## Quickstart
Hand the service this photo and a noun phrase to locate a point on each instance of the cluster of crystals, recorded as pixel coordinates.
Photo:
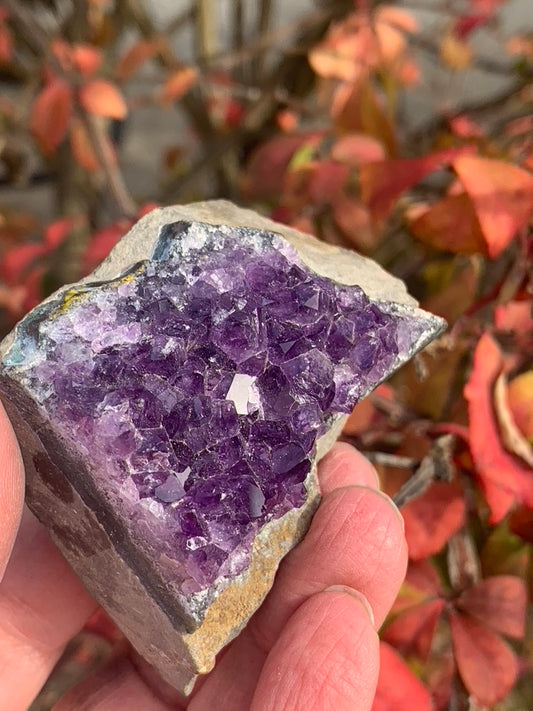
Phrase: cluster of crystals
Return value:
(200, 383)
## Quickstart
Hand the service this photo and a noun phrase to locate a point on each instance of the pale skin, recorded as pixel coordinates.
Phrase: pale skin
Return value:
(312, 645)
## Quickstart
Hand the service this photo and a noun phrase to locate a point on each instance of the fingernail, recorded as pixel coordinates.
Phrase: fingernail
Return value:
(397, 512)
(356, 594)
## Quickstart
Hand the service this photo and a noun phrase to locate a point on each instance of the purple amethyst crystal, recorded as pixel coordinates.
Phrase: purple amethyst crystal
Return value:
(194, 387)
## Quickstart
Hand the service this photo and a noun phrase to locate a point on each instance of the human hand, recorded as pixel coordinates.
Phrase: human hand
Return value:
(312, 644)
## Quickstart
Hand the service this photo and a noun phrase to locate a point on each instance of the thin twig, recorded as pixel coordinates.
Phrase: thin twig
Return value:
(391, 460)
(113, 174)
(436, 466)
(263, 23)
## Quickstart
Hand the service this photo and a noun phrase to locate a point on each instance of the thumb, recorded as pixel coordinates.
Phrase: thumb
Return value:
(11, 489)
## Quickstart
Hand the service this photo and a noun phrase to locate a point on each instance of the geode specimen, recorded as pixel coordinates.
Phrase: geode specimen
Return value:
(172, 406)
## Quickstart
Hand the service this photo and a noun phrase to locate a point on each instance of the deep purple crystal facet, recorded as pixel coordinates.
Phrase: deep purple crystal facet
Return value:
(198, 384)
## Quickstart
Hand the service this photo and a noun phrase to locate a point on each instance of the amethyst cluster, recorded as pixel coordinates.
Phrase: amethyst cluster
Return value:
(198, 383)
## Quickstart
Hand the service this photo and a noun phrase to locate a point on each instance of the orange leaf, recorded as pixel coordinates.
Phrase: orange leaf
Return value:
(349, 50)
(82, 148)
(450, 224)
(520, 400)
(178, 85)
(382, 183)
(357, 109)
(398, 18)
(501, 476)
(287, 120)
(86, 58)
(455, 52)
(502, 195)
(135, 57)
(487, 665)
(102, 98)
(413, 629)
(398, 688)
(498, 602)
(432, 518)
(50, 115)
(354, 149)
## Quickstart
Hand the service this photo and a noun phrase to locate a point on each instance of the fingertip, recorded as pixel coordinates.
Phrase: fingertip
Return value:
(11, 489)
(326, 657)
(343, 466)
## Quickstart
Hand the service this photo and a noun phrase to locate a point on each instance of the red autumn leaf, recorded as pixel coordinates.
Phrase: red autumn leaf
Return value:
(413, 630)
(57, 232)
(146, 208)
(487, 665)
(102, 242)
(135, 56)
(514, 316)
(383, 182)
(102, 98)
(502, 477)
(264, 174)
(465, 127)
(355, 149)
(178, 84)
(398, 688)
(521, 524)
(450, 224)
(502, 195)
(6, 44)
(499, 602)
(17, 261)
(86, 58)
(50, 114)
(465, 25)
(326, 181)
(422, 576)
(432, 518)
